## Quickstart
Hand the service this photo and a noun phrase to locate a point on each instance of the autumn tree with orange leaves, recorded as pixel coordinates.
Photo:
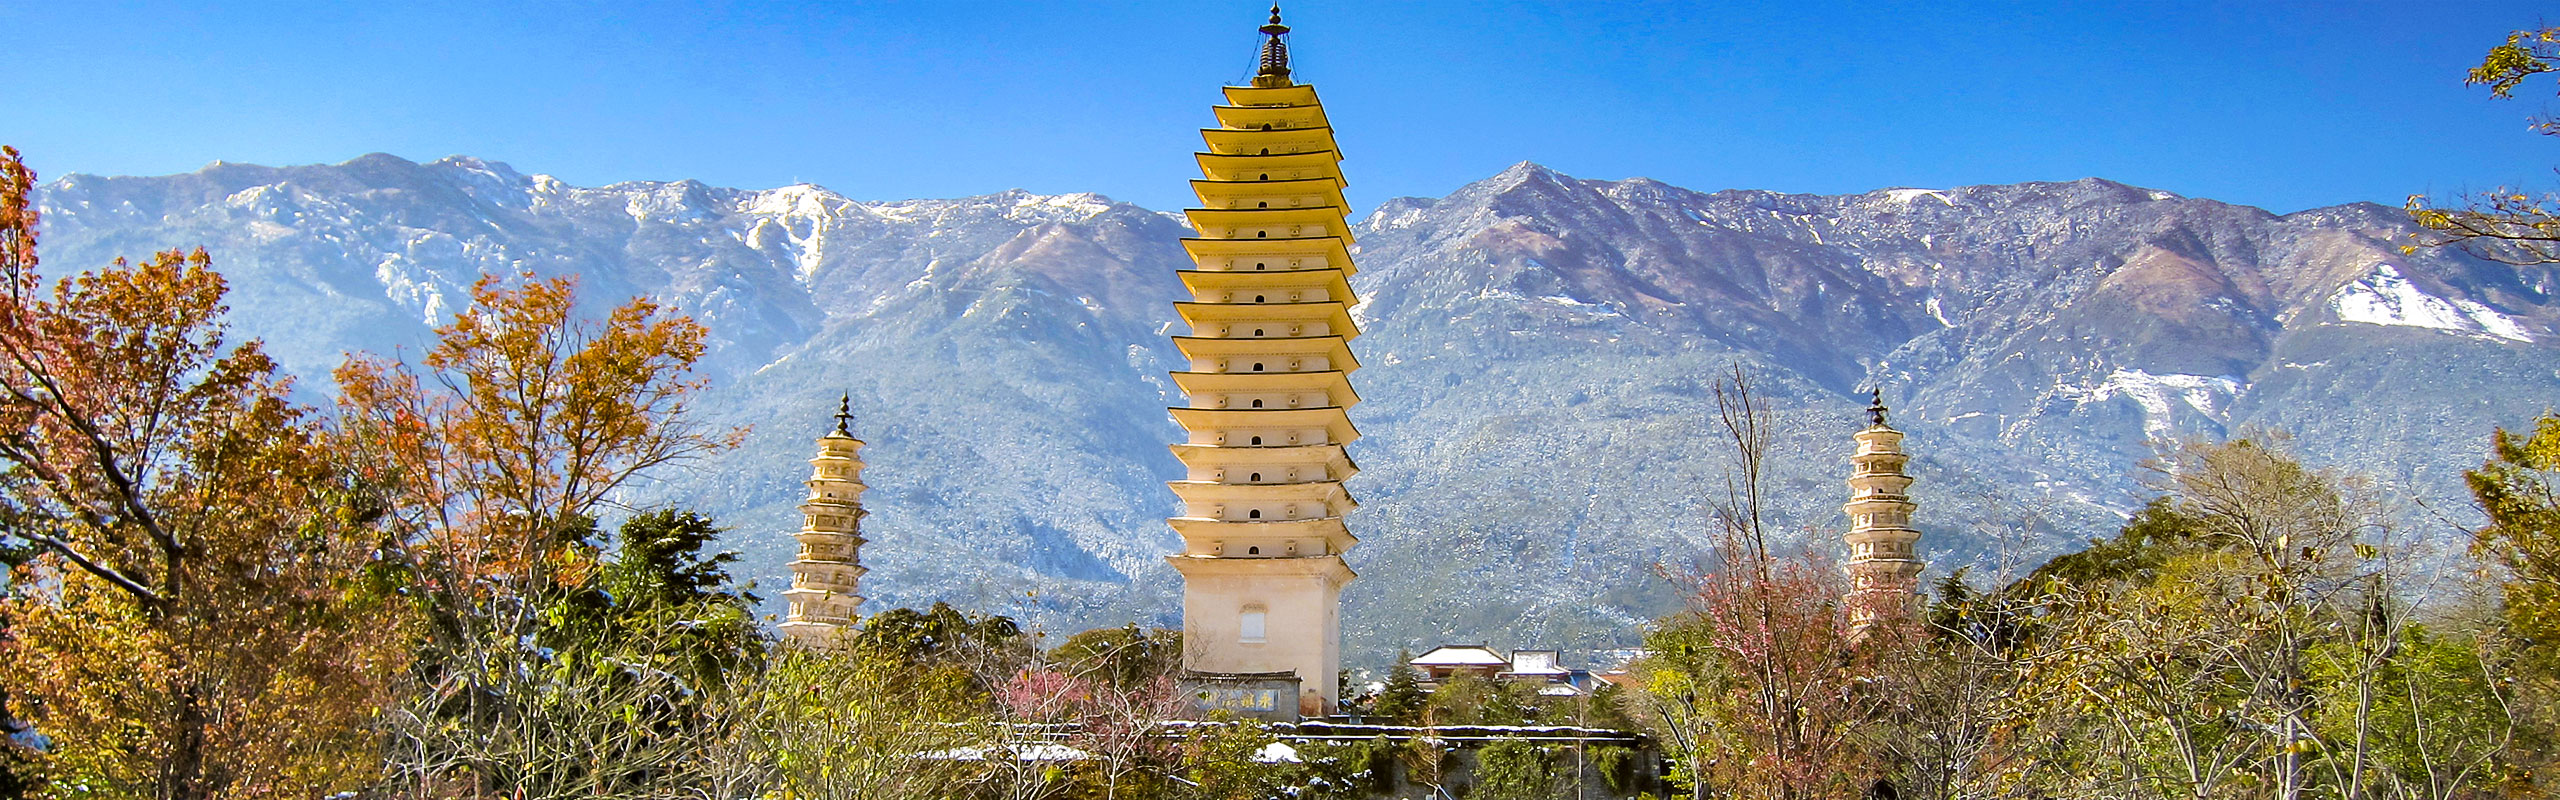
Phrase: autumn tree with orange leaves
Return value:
(496, 450)
(194, 624)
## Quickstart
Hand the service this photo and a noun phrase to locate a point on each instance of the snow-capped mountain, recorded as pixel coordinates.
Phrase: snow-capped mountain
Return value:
(1538, 353)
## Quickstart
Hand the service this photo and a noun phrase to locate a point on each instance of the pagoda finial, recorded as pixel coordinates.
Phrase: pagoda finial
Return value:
(844, 415)
(1875, 411)
(1275, 53)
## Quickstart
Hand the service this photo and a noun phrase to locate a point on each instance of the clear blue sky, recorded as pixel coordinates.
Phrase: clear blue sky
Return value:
(2281, 105)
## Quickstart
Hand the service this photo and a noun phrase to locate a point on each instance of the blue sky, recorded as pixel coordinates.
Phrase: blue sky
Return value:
(2281, 105)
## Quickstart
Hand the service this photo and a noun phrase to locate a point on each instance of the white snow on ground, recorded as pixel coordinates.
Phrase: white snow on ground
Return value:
(1908, 195)
(2158, 395)
(1938, 311)
(1038, 751)
(1276, 753)
(2384, 297)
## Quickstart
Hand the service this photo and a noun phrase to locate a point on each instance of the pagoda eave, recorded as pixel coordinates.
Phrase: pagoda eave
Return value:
(1329, 252)
(1329, 567)
(1334, 383)
(1337, 424)
(1328, 493)
(1334, 348)
(1334, 314)
(1295, 94)
(1332, 281)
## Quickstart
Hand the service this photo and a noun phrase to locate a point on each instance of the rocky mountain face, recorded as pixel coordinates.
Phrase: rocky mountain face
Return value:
(1539, 353)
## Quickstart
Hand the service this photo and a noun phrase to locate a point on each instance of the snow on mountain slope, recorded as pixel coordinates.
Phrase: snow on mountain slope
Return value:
(2386, 298)
(1537, 351)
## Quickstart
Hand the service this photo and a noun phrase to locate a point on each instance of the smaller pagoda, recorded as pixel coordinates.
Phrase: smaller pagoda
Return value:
(1884, 567)
(828, 571)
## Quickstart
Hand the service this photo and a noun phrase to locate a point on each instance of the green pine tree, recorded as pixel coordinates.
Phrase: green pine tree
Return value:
(1403, 697)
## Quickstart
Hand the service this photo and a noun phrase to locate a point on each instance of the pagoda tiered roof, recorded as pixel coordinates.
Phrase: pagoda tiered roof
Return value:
(1291, 167)
(1198, 531)
(1232, 142)
(1337, 425)
(1230, 194)
(1335, 252)
(1336, 463)
(1234, 221)
(1334, 348)
(1335, 315)
(1333, 382)
(1335, 287)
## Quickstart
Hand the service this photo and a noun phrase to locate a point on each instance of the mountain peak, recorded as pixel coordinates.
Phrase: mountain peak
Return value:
(377, 161)
(498, 169)
(1526, 170)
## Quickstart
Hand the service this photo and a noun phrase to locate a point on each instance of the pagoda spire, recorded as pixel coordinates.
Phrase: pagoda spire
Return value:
(1267, 394)
(827, 575)
(1884, 567)
(1274, 72)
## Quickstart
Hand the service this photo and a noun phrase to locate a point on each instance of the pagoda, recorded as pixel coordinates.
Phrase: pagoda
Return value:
(829, 568)
(1884, 569)
(1267, 392)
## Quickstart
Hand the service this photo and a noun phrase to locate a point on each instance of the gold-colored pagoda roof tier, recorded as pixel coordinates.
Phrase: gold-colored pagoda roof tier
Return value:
(1271, 118)
(1208, 253)
(1309, 193)
(1291, 167)
(1331, 281)
(1297, 94)
(1269, 223)
(1277, 141)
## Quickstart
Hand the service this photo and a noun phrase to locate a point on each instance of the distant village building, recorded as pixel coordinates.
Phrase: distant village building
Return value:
(1542, 668)
(828, 571)
(1884, 567)
(1268, 389)
(1447, 662)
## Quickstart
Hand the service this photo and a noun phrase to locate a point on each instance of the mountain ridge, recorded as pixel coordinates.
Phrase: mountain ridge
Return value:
(1538, 348)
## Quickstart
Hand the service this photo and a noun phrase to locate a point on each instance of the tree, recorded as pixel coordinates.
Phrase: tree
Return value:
(495, 452)
(839, 724)
(526, 419)
(619, 684)
(1752, 687)
(1474, 700)
(192, 623)
(1513, 769)
(1222, 760)
(2503, 224)
(2516, 490)
(2250, 635)
(1946, 720)
(1402, 698)
(1125, 657)
(1127, 694)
